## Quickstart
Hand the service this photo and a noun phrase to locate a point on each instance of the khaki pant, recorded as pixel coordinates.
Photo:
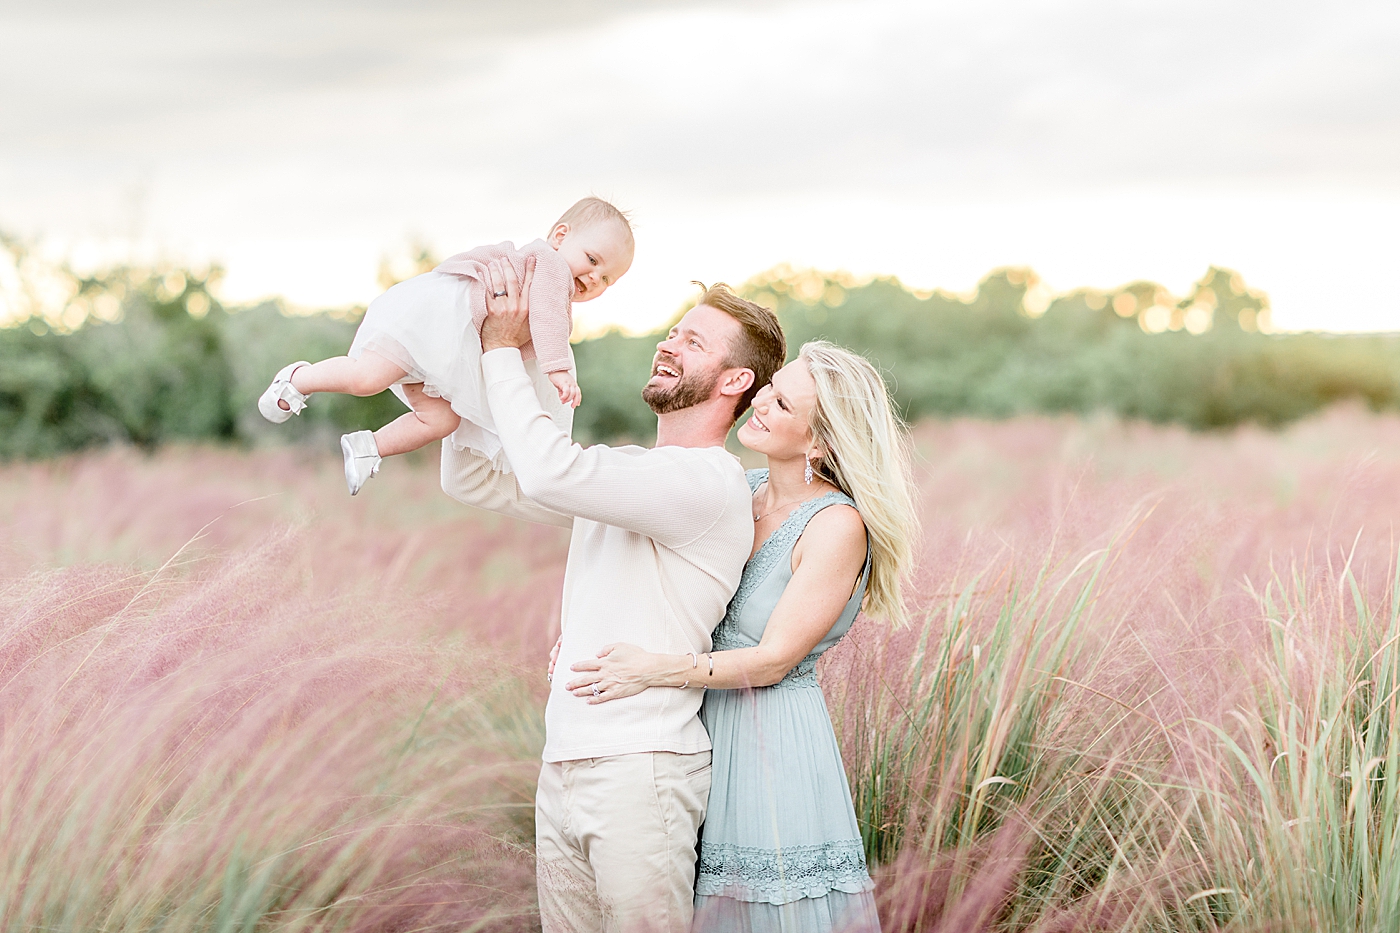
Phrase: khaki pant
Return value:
(615, 842)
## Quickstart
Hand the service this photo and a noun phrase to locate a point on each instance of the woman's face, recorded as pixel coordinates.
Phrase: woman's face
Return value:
(782, 411)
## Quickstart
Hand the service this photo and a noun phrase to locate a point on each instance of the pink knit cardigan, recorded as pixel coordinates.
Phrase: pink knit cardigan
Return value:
(551, 295)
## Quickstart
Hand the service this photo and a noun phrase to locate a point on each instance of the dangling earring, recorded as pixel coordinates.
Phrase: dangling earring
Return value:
(807, 473)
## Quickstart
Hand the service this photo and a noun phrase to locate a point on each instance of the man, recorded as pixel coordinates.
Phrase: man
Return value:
(660, 538)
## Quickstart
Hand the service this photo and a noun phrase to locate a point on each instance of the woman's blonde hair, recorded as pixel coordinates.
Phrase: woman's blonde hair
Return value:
(866, 454)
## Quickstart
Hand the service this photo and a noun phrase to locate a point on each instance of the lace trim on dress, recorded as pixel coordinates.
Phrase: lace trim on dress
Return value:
(780, 876)
(726, 637)
(803, 675)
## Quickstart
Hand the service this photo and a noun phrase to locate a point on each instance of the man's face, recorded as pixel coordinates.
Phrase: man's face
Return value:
(689, 362)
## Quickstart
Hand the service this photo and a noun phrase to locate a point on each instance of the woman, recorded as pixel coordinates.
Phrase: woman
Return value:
(833, 521)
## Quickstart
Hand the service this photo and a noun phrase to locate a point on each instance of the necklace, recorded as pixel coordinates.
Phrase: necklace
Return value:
(791, 504)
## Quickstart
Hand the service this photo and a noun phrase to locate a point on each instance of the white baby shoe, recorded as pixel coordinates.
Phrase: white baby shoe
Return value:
(283, 390)
(361, 458)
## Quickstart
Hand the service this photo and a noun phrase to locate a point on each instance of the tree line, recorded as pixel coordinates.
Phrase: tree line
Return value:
(146, 356)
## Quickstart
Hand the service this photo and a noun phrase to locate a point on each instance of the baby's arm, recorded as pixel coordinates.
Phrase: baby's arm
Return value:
(569, 392)
(551, 312)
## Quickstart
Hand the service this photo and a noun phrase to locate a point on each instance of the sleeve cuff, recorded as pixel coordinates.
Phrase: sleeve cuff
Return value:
(501, 363)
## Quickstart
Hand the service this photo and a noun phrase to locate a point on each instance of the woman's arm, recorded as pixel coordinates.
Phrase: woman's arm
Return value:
(827, 562)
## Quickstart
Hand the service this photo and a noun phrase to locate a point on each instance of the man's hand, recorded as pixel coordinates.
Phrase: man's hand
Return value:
(507, 321)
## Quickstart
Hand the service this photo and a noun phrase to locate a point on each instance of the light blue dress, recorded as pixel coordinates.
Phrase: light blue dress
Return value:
(780, 849)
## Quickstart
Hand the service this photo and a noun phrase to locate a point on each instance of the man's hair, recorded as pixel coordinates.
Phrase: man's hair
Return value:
(592, 210)
(761, 346)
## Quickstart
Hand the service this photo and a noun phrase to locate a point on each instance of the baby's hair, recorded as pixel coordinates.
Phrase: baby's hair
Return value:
(595, 210)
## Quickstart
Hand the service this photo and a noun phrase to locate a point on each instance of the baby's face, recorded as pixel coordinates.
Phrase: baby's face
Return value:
(598, 255)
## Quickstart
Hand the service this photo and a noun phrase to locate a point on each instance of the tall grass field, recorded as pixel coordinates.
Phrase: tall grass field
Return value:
(1152, 684)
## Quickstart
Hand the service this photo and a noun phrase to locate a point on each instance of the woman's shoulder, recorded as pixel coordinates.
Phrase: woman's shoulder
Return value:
(836, 529)
(756, 478)
(839, 517)
(833, 541)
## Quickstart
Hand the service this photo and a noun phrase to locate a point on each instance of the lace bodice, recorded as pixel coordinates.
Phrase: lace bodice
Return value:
(767, 575)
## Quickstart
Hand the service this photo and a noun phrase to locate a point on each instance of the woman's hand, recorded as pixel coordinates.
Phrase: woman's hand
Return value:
(554, 658)
(620, 670)
(507, 321)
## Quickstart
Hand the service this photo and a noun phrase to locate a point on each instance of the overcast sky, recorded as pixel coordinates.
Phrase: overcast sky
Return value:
(1097, 142)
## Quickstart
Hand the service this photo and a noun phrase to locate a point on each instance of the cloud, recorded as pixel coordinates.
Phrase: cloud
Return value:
(238, 129)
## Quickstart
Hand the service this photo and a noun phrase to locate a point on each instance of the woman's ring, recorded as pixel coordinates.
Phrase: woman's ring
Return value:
(595, 690)
(498, 294)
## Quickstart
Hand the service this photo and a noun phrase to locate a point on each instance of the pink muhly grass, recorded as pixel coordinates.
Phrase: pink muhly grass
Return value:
(222, 750)
(1120, 629)
(465, 571)
(1101, 614)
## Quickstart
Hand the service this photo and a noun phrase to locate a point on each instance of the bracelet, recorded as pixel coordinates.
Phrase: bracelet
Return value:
(694, 663)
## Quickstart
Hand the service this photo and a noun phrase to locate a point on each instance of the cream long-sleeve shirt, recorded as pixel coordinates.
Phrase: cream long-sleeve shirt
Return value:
(660, 537)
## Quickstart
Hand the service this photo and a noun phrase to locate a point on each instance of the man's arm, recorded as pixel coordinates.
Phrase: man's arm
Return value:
(671, 499)
(468, 477)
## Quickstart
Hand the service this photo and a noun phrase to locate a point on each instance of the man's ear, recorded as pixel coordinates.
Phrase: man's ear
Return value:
(556, 236)
(736, 381)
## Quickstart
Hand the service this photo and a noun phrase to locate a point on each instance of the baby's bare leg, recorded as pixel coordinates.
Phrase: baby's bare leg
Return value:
(369, 375)
(432, 419)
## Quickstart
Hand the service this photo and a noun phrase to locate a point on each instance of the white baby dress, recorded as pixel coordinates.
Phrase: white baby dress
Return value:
(424, 325)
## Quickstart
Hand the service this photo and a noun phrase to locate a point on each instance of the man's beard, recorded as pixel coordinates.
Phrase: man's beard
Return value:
(688, 391)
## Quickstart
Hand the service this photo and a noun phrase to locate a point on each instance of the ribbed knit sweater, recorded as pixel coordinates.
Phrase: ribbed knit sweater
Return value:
(551, 295)
(660, 537)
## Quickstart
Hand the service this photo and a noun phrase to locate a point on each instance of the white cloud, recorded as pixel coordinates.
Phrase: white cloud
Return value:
(1098, 141)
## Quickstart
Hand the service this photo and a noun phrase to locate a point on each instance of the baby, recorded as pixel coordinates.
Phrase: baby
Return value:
(422, 338)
